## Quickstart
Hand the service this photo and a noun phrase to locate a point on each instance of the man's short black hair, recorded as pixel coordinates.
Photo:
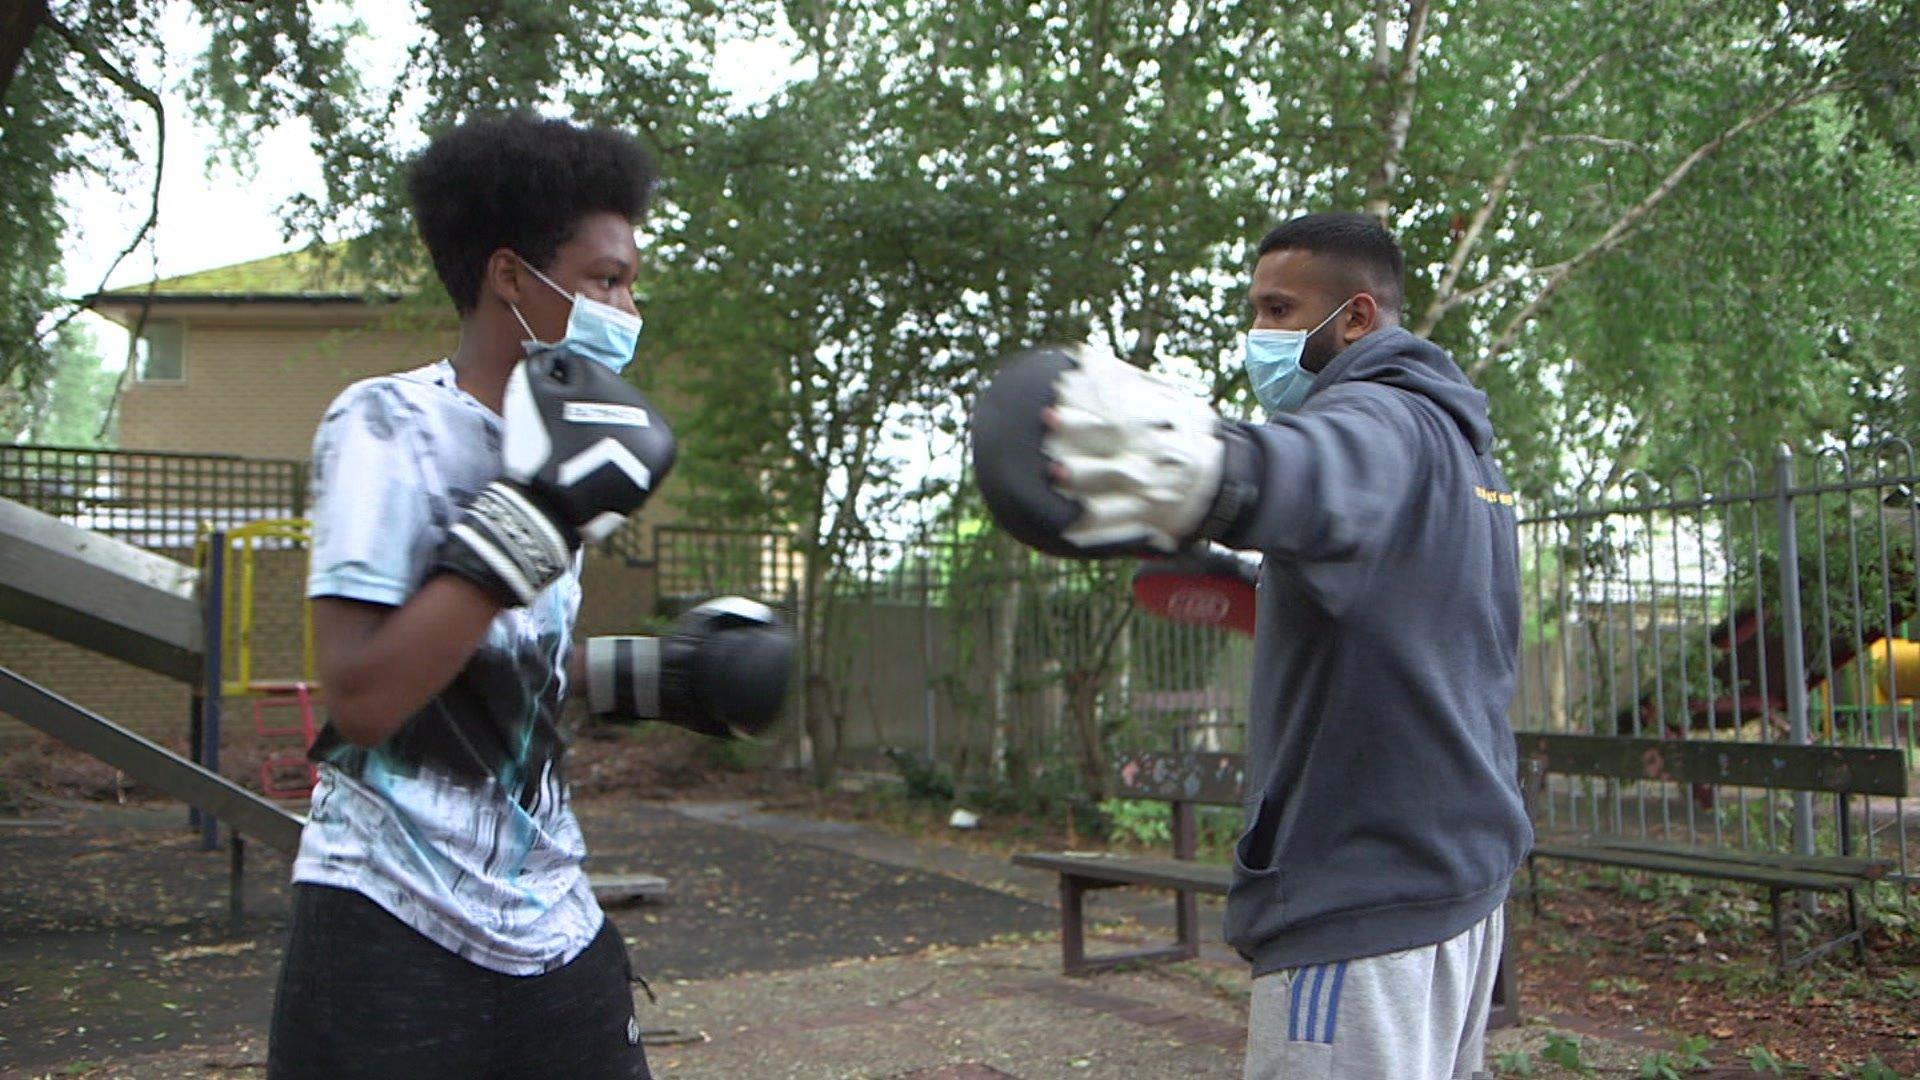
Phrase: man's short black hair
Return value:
(1364, 246)
(518, 182)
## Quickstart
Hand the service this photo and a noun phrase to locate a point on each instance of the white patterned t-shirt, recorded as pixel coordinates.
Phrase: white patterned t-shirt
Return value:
(459, 825)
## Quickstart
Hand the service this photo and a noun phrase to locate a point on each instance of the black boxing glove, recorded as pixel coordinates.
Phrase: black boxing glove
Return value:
(583, 449)
(721, 671)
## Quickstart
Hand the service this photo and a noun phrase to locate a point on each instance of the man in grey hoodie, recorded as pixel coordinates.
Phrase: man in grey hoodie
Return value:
(1384, 819)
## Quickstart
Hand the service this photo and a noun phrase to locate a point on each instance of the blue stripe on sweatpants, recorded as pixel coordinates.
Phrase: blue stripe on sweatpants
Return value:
(1313, 1003)
(1333, 999)
(1293, 1019)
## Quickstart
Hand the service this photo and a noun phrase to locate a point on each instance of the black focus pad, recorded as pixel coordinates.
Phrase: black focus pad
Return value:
(1009, 464)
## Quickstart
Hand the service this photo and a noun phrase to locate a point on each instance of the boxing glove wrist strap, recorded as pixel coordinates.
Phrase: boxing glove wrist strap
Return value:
(1242, 468)
(623, 678)
(506, 544)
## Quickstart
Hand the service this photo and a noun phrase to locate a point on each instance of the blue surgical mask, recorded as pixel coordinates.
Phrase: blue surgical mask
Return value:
(1273, 365)
(594, 330)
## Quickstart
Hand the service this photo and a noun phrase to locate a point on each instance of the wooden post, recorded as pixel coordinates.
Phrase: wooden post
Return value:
(236, 881)
(1186, 904)
(1073, 928)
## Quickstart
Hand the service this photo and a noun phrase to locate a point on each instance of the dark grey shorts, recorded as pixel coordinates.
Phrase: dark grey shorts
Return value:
(362, 995)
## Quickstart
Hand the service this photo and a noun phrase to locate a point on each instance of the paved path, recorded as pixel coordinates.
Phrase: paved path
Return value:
(788, 948)
(1149, 912)
(113, 934)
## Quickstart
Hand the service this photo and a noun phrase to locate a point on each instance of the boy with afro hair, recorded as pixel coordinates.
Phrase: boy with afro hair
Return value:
(442, 924)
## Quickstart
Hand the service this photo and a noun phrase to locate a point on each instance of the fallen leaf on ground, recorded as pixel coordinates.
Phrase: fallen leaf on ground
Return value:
(195, 952)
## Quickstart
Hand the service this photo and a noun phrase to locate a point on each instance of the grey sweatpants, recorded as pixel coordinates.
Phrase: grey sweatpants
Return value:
(1420, 1014)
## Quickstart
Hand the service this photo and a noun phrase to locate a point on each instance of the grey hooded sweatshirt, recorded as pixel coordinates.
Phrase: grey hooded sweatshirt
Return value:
(1383, 811)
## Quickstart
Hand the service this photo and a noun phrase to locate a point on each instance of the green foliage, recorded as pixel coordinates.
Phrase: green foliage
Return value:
(1566, 1052)
(64, 407)
(1641, 227)
(1637, 885)
(1654, 233)
(1660, 1065)
(1692, 1052)
(1143, 821)
(924, 781)
(1902, 986)
(1049, 793)
(734, 755)
(1761, 1060)
(1872, 1069)
(1514, 1063)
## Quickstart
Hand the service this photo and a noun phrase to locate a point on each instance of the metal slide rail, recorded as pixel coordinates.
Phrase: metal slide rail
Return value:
(98, 593)
(148, 762)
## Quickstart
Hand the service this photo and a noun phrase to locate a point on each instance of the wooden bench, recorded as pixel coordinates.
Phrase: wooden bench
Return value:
(1839, 771)
(1185, 781)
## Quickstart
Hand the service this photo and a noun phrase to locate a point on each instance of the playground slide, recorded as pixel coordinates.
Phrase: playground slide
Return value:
(98, 593)
(115, 599)
(148, 762)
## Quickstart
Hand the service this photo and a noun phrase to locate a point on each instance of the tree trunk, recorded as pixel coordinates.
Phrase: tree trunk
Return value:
(818, 714)
(1083, 713)
(1396, 92)
(820, 729)
(18, 22)
(1005, 624)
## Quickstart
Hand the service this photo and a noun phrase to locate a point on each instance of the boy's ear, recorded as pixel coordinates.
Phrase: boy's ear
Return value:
(505, 276)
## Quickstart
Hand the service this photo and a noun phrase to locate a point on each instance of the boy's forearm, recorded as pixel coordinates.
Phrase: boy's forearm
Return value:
(379, 666)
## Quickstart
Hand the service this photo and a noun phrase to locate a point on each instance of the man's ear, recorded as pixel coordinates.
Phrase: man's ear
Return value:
(1363, 318)
(505, 276)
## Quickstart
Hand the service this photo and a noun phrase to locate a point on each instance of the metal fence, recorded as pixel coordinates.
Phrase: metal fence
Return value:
(1756, 606)
(693, 564)
(151, 499)
(986, 658)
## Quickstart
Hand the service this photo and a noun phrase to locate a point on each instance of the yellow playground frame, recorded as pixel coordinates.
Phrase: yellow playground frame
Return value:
(237, 596)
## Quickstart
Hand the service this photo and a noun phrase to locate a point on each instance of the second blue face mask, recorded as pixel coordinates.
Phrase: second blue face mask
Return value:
(1272, 360)
(595, 330)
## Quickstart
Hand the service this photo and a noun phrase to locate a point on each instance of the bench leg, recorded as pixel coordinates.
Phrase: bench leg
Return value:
(1533, 886)
(1853, 926)
(236, 881)
(1779, 928)
(1073, 930)
(1854, 935)
(1073, 925)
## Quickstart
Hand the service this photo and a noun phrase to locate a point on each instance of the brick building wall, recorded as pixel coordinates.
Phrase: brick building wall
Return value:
(152, 705)
(257, 388)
